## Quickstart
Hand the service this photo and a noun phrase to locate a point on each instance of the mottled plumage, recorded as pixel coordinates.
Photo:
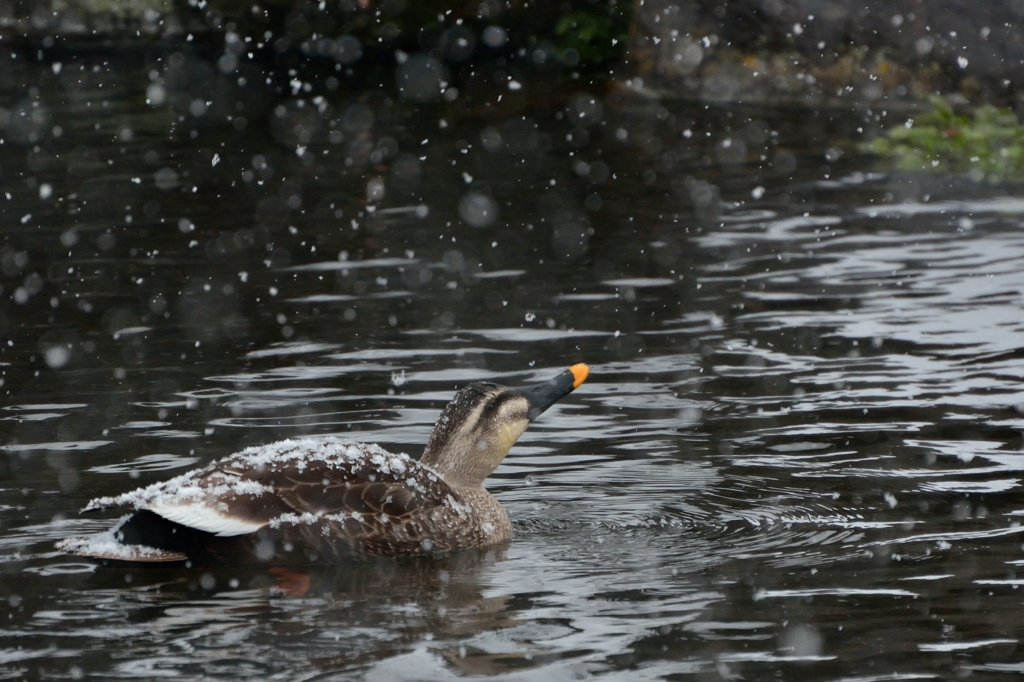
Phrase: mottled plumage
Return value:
(323, 499)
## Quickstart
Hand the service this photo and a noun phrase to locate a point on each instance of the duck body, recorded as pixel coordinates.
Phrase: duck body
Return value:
(305, 499)
(326, 499)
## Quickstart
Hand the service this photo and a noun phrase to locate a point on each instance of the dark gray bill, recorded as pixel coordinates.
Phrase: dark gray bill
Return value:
(542, 396)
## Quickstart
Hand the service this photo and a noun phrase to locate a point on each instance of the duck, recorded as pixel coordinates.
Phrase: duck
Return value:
(327, 499)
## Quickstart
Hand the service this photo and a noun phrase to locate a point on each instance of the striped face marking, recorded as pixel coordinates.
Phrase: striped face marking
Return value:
(499, 421)
(476, 430)
(489, 427)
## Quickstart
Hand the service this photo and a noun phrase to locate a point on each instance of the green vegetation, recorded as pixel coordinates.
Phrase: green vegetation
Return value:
(988, 144)
(596, 34)
(119, 8)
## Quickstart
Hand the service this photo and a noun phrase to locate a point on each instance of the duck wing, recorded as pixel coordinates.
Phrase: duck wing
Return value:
(290, 482)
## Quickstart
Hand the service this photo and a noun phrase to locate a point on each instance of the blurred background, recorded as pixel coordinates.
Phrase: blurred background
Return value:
(794, 272)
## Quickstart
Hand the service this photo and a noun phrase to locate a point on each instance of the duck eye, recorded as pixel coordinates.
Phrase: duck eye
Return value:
(490, 407)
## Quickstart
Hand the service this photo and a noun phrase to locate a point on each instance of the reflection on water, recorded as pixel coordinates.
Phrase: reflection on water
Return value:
(798, 454)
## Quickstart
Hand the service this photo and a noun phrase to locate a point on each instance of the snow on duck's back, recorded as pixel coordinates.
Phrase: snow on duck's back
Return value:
(242, 493)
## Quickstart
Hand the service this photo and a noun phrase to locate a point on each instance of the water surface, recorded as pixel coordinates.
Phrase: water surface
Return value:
(798, 454)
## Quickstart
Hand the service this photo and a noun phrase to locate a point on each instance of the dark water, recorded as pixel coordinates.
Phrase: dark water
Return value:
(797, 455)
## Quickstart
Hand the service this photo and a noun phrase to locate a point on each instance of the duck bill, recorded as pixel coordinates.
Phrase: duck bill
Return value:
(542, 396)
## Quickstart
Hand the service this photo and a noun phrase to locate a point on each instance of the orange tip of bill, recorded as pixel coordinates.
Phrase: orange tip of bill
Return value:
(580, 373)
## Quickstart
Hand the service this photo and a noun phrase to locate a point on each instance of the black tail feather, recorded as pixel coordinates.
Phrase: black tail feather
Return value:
(152, 530)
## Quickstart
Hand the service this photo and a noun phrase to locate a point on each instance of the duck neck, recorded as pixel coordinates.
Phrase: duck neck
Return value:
(462, 473)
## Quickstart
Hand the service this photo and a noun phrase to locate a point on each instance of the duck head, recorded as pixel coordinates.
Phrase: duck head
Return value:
(482, 422)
